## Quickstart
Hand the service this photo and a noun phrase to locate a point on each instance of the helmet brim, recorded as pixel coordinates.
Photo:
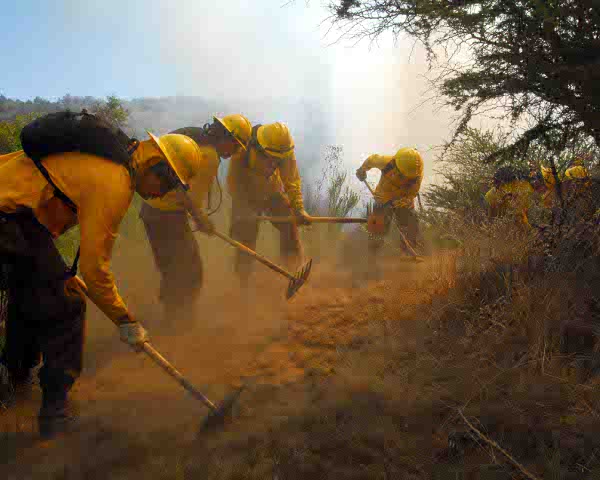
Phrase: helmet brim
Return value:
(240, 143)
(167, 156)
(273, 153)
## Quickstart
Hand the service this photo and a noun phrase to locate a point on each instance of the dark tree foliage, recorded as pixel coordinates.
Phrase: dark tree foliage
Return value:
(537, 59)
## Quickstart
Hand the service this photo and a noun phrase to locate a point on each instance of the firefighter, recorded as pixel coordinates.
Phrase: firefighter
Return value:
(577, 170)
(401, 177)
(577, 192)
(264, 178)
(537, 211)
(550, 197)
(174, 247)
(510, 196)
(45, 315)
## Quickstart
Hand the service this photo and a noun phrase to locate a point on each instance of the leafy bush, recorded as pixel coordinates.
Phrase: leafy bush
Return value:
(10, 132)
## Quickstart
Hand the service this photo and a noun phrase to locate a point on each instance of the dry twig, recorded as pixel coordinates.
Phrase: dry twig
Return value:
(489, 441)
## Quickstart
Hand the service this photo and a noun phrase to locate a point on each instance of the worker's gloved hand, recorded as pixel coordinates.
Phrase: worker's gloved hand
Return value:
(203, 223)
(133, 334)
(302, 217)
(361, 174)
(207, 226)
(199, 216)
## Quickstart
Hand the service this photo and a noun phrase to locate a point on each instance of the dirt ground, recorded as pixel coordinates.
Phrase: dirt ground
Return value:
(133, 416)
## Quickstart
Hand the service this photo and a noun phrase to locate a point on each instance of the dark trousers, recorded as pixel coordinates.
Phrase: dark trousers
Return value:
(244, 229)
(45, 315)
(407, 222)
(176, 255)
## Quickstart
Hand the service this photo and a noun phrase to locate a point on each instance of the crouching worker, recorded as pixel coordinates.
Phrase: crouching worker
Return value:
(401, 177)
(577, 191)
(77, 170)
(510, 197)
(175, 250)
(265, 178)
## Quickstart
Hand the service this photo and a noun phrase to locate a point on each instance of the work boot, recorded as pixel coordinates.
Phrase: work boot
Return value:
(57, 416)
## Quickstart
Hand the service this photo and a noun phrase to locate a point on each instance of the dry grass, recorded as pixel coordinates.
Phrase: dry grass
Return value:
(373, 382)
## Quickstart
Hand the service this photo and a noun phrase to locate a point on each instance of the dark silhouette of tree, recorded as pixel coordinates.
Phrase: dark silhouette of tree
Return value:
(539, 60)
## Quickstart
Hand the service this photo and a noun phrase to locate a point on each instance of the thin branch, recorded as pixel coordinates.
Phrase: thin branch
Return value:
(493, 444)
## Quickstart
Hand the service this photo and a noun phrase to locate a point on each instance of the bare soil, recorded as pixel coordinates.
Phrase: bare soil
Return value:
(136, 422)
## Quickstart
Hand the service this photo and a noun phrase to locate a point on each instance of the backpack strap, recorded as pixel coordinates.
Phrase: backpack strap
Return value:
(253, 142)
(71, 272)
(390, 166)
(57, 191)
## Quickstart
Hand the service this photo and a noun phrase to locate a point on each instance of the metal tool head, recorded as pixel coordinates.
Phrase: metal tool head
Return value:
(375, 218)
(410, 258)
(217, 417)
(299, 279)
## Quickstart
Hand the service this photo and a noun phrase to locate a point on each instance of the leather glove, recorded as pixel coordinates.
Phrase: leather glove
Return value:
(302, 217)
(133, 334)
(361, 174)
(201, 220)
(205, 226)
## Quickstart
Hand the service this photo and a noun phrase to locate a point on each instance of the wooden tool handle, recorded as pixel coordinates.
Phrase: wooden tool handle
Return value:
(163, 363)
(369, 187)
(172, 371)
(292, 219)
(197, 216)
(257, 256)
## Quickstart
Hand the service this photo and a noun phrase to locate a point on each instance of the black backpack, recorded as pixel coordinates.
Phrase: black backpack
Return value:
(68, 131)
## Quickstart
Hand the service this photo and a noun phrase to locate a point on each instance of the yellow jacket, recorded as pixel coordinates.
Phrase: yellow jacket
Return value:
(244, 182)
(392, 187)
(199, 185)
(578, 171)
(102, 191)
(512, 198)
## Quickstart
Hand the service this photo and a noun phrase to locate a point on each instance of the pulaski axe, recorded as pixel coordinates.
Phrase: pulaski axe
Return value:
(292, 219)
(296, 280)
(218, 413)
(376, 225)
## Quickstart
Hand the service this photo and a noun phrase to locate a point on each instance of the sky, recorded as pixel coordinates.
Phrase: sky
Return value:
(233, 51)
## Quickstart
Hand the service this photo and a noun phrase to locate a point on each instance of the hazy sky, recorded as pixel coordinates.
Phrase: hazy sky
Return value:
(228, 50)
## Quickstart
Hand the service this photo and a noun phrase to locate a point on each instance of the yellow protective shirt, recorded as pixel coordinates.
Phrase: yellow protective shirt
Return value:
(245, 182)
(577, 171)
(512, 198)
(102, 191)
(401, 192)
(199, 185)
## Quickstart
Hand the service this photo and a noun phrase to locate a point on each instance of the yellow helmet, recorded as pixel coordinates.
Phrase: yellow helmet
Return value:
(182, 155)
(239, 127)
(409, 162)
(275, 140)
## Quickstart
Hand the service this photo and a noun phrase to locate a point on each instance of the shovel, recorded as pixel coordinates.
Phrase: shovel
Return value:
(218, 413)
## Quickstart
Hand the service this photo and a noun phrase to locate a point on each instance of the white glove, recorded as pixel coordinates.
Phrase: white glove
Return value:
(133, 334)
